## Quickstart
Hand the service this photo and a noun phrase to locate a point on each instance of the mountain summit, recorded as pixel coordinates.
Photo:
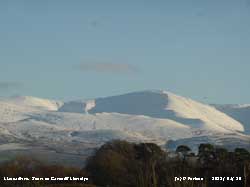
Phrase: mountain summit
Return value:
(158, 104)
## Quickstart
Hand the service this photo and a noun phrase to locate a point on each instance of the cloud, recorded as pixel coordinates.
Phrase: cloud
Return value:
(7, 85)
(108, 67)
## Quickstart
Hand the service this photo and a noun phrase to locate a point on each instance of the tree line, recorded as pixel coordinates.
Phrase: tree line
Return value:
(123, 164)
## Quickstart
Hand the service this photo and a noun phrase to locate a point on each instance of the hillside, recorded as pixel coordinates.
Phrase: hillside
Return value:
(62, 130)
(240, 113)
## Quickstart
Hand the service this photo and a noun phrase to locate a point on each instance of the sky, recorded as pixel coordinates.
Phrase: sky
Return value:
(67, 50)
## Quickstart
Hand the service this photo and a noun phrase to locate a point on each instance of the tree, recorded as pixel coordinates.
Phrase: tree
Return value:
(111, 164)
(206, 155)
(149, 155)
(183, 151)
(120, 163)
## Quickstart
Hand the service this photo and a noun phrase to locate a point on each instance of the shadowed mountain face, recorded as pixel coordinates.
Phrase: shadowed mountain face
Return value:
(141, 103)
(239, 113)
(158, 105)
(73, 106)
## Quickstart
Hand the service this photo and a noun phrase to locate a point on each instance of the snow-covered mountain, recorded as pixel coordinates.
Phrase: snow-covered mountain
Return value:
(240, 113)
(76, 128)
(159, 105)
(33, 102)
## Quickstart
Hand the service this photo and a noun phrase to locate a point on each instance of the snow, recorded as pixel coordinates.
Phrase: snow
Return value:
(33, 102)
(240, 113)
(147, 116)
(160, 104)
(89, 105)
(10, 112)
(211, 117)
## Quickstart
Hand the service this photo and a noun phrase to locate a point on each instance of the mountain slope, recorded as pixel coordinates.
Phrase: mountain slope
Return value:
(240, 113)
(33, 102)
(77, 128)
(158, 104)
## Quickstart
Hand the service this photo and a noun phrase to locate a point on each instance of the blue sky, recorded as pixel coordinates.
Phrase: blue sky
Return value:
(85, 49)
